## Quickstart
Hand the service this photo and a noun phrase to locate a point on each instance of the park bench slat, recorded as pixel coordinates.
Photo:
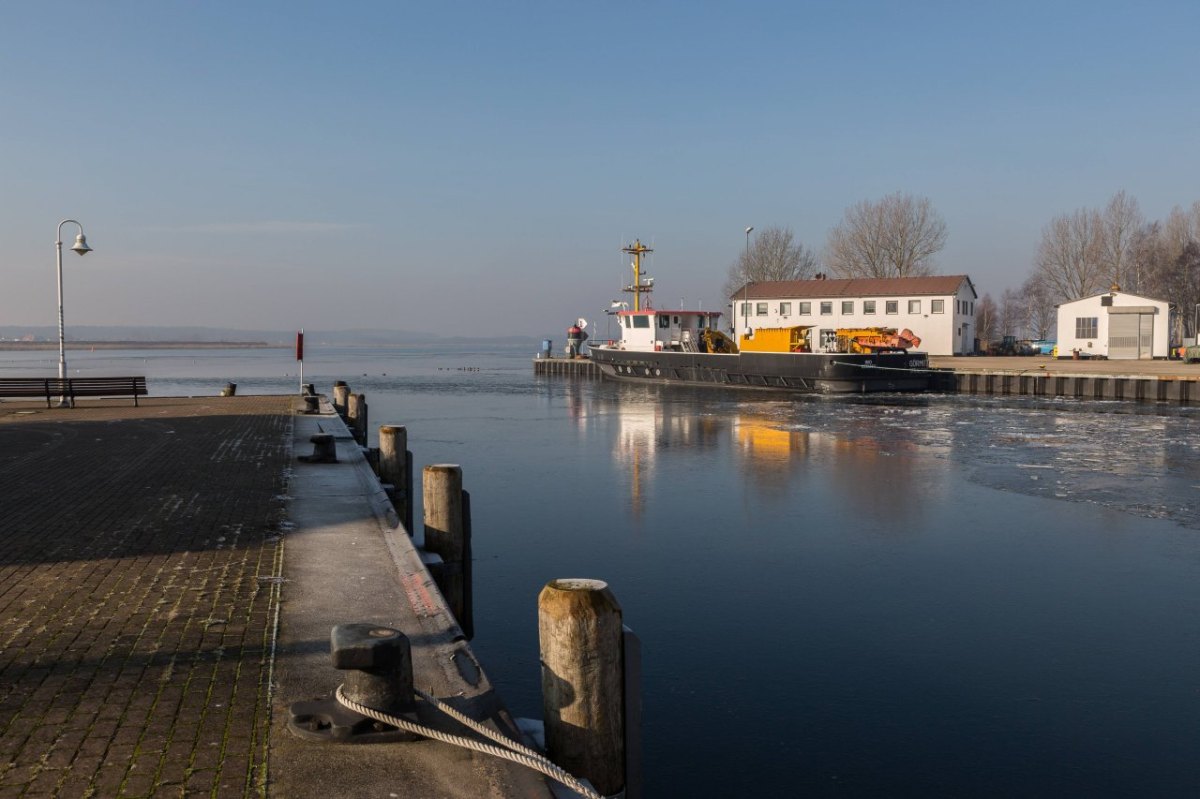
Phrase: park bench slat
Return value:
(72, 387)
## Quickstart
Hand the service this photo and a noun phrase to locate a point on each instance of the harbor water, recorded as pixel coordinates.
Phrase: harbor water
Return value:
(882, 596)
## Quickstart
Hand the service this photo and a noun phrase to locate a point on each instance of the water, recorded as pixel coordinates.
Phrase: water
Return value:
(836, 597)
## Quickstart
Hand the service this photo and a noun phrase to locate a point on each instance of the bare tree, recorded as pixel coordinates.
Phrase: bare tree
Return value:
(772, 255)
(1069, 257)
(986, 318)
(1119, 224)
(1009, 313)
(894, 237)
(1040, 312)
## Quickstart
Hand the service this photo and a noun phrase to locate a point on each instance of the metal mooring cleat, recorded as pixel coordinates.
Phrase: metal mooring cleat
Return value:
(377, 662)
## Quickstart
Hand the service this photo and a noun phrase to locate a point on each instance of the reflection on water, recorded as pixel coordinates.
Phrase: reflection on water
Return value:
(882, 596)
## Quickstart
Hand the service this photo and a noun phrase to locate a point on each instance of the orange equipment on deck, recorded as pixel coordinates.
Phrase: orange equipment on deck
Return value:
(874, 339)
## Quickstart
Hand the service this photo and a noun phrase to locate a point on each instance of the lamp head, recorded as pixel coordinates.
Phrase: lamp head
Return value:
(81, 245)
(749, 229)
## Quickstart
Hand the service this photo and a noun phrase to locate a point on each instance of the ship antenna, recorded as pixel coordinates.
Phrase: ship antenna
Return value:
(637, 288)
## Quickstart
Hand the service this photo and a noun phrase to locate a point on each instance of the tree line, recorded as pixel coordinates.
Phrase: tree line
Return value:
(1083, 253)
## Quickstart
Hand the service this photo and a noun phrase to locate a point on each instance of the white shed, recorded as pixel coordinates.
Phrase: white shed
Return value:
(1114, 325)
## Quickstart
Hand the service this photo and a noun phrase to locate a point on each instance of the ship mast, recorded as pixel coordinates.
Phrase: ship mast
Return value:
(637, 288)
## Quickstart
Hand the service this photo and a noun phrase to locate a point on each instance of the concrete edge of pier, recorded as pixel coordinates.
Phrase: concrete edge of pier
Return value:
(347, 560)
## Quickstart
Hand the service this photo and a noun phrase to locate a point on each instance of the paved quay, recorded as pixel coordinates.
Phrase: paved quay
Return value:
(168, 578)
(1031, 364)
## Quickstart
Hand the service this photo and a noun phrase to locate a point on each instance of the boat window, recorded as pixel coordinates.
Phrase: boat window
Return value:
(937, 306)
(641, 321)
(676, 320)
(664, 321)
(827, 309)
(760, 309)
(869, 306)
(893, 306)
(785, 309)
(700, 322)
(806, 309)
(626, 321)
(847, 306)
(914, 306)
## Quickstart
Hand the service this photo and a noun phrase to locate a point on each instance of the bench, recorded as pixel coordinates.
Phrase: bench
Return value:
(48, 388)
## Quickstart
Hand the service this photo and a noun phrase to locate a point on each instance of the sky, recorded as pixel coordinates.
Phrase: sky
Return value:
(475, 168)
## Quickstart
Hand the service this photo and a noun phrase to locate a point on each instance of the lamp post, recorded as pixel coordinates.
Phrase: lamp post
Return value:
(82, 248)
(746, 286)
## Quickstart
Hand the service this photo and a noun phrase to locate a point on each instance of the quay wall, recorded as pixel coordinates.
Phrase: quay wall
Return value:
(566, 367)
(1136, 381)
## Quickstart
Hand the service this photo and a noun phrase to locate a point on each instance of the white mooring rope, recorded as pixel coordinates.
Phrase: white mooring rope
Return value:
(508, 749)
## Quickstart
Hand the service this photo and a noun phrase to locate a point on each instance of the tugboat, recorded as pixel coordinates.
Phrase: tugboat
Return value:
(686, 347)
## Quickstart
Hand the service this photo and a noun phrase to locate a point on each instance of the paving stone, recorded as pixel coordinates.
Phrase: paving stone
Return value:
(131, 612)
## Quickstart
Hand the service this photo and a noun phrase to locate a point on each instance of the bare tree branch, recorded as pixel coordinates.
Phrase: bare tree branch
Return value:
(894, 237)
(772, 255)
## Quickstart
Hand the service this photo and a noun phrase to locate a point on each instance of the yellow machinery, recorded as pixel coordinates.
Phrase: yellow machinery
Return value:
(716, 341)
(872, 339)
(778, 339)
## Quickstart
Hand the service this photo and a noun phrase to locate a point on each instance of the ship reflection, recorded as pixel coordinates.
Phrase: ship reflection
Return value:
(771, 451)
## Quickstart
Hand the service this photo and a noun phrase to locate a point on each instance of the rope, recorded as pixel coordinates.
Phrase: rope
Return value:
(508, 749)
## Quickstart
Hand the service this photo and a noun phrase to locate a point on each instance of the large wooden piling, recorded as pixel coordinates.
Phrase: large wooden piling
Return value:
(580, 634)
(357, 417)
(448, 535)
(395, 469)
(341, 397)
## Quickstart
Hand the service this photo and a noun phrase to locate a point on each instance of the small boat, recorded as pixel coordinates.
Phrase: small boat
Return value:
(686, 347)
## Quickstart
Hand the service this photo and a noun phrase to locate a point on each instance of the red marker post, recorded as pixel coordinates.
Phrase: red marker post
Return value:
(300, 356)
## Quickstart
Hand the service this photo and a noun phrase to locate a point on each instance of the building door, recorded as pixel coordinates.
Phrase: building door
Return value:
(1123, 336)
(1145, 335)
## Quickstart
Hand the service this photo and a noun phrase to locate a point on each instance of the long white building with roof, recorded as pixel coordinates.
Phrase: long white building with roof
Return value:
(940, 309)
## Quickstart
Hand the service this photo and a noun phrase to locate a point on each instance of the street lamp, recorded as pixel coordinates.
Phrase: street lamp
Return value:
(82, 248)
(746, 286)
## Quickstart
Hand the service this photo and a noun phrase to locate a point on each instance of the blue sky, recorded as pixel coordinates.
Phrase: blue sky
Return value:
(474, 168)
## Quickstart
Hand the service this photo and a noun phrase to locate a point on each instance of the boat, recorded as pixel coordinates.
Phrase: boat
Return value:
(687, 347)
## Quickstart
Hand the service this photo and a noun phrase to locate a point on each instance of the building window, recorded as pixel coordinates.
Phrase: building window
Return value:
(869, 307)
(641, 321)
(892, 306)
(1086, 326)
(914, 306)
(827, 308)
(828, 339)
(664, 321)
(937, 306)
(745, 309)
(760, 309)
(806, 309)
(847, 307)
(785, 309)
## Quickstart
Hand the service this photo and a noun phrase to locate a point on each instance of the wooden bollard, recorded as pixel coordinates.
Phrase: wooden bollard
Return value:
(395, 469)
(579, 630)
(341, 396)
(356, 415)
(448, 534)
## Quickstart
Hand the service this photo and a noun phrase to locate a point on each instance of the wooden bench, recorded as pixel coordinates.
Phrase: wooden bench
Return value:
(48, 388)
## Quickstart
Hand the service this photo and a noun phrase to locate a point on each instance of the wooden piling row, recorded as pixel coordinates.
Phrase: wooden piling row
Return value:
(591, 662)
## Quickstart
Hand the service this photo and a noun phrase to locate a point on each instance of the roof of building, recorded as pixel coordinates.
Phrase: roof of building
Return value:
(853, 287)
(1114, 293)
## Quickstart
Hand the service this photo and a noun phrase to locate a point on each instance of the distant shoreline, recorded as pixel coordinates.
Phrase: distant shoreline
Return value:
(139, 345)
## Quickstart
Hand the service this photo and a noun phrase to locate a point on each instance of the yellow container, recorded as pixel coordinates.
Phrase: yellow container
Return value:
(777, 339)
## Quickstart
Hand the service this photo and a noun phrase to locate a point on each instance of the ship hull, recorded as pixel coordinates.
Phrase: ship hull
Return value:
(816, 373)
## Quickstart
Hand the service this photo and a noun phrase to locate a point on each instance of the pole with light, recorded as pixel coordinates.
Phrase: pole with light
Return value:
(81, 247)
(746, 286)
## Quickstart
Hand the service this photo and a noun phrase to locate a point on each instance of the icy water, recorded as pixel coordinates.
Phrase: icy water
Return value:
(899, 596)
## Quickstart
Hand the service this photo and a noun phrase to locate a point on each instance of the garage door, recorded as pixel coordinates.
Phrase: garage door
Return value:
(1130, 335)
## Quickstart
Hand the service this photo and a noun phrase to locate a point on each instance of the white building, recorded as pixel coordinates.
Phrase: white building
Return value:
(1114, 325)
(939, 309)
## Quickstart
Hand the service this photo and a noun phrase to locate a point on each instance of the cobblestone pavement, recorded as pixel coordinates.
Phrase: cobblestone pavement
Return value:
(139, 578)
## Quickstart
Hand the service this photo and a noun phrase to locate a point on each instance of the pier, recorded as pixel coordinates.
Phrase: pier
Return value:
(566, 367)
(185, 585)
